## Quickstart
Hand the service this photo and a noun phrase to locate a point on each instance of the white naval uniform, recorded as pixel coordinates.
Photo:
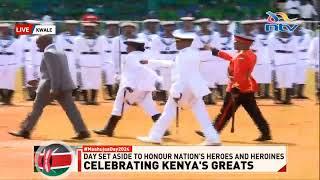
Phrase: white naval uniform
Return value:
(147, 38)
(36, 57)
(164, 48)
(90, 60)
(108, 63)
(10, 61)
(188, 82)
(221, 66)
(25, 42)
(142, 80)
(208, 62)
(303, 61)
(283, 52)
(119, 53)
(262, 70)
(65, 42)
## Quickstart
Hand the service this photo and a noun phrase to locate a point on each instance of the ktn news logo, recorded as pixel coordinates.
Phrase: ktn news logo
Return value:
(39, 29)
(279, 21)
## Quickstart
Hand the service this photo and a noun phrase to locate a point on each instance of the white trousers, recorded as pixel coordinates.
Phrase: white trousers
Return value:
(90, 78)
(198, 107)
(285, 75)
(262, 73)
(8, 77)
(301, 71)
(142, 98)
(108, 70)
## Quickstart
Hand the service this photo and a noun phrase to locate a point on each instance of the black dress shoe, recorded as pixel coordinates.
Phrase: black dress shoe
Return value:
(21, 133)
(200, 133)
(103, 132)
(82, 135)
(263, 138)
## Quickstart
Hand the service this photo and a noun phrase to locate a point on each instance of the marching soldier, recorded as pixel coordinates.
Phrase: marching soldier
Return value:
(65, 42)
(241, 87)
(9, 63)
(164, 47)
(282, 54)
(108, 64)
(206, 37)
(26, 45)
(90, 60)
(262, 71)
(187, 90)
(303, 39)
(187, 25)
(150, 32)
(136, 86)
(223, 40)
(119, 53)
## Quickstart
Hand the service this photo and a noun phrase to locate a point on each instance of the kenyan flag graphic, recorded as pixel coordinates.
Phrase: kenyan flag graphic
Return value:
(52, 160)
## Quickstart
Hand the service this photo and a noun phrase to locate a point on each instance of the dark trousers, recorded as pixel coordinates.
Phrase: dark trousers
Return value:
(247, 100)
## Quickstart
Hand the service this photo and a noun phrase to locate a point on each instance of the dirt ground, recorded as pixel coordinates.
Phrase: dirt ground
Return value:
(296, 126)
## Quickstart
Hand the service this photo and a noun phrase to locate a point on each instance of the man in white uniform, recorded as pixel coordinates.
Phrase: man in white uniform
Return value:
(108, 64)
(9, 63)
(223, 40)
(136, 86)
(187, 90)
(149, 33)
(164, 47)
(315, 60)
(26, 45)
(206, 37)
(65, 42)
(282, 54)
(262, 71)
(87, 53)
(187, 25)
(303, 39)
(119, 50)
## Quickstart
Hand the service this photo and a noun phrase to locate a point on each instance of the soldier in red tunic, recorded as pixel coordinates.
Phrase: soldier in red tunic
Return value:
(241, 87)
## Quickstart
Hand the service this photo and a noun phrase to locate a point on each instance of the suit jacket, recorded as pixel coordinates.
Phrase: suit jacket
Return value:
(54, 71)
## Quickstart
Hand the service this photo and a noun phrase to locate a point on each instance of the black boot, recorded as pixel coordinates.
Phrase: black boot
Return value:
(211, 99)
(288, 94)
(109, 89)
(94, 94)
(76, 94)
(277, 95)
(263, 138)
(220, 91)
(155, 119)
(31, 93)
(109, 128)
(300, 91)
(85, 97)
(294, 92)
(8, 98)
(266, 91)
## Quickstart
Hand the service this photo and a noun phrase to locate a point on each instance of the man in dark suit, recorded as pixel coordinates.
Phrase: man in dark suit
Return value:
(55, 83)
